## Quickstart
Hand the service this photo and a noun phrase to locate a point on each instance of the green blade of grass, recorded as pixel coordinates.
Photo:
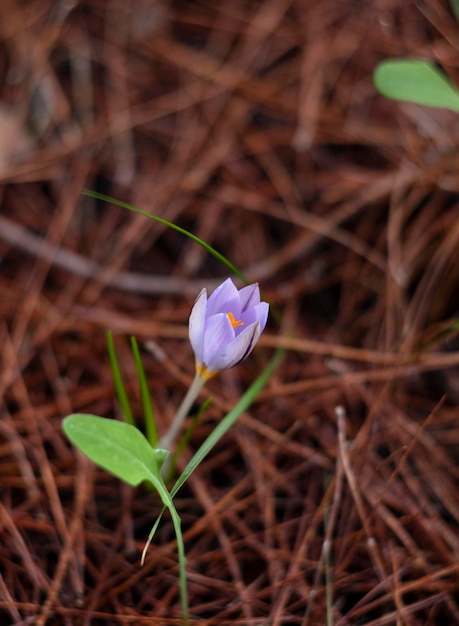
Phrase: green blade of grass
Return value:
(184, 440)
(147, 404)
(189, 431)
(129, 207)
(228, 421)
(118, 381)
(219, 432)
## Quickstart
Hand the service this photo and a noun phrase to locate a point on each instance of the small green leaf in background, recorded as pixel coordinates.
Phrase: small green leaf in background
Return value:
(416, 81)
(454, 4)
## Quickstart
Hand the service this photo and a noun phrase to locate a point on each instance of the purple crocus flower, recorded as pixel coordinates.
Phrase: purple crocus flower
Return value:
(224, 328)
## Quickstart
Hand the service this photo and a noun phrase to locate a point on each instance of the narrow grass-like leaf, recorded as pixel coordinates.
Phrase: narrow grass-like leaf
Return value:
(122, 450)
(228, 421)
(181, 556)
(219, 432)
(118, 381)
(184, 440)
(441, 335)
(147, 404)
(416, 81)
(129, 207)
(189, 431)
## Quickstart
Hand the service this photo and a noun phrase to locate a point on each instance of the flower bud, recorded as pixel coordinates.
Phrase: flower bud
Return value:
(225, 327)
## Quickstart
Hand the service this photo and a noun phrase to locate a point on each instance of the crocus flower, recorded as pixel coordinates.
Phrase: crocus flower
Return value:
(224, 328)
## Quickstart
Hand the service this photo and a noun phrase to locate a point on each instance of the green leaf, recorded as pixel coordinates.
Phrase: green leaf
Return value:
(118, 447)
(118, 381)
(454, 4)
(228, 421)
(122, 450)
(183, 441)
(416, 81)
(129, 207)
(147, 404)
(219, 432)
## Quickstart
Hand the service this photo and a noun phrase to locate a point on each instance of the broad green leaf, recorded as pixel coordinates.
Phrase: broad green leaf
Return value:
(118, 447)
(416, 81)
(123, 451)
(454, 4)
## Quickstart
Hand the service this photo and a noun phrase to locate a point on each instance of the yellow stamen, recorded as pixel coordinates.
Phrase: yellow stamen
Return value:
(234, 322)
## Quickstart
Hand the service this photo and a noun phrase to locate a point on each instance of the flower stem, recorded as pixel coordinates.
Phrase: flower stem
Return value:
(190, 396)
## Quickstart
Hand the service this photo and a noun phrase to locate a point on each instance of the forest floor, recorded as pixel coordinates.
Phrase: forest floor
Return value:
(256, 126)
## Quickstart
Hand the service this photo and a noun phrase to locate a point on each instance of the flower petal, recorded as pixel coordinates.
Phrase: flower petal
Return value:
(235, 351)
(258, 313)
(218, 335)
(243, 345)
(249, 296)
(196, 327)
(224, 299)
(225, 327)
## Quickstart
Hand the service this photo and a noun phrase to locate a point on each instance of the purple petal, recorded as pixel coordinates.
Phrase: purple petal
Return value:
(243, 345)
(218, 341)
(249, 296)
(236, 350)
(258, 313)
(224, 299)
(218, 335)
(196, 327)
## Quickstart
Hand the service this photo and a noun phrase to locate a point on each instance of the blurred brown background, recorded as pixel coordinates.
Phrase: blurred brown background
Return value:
(256, 126)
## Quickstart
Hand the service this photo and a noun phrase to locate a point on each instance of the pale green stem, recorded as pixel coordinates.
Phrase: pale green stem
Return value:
(190, 396)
